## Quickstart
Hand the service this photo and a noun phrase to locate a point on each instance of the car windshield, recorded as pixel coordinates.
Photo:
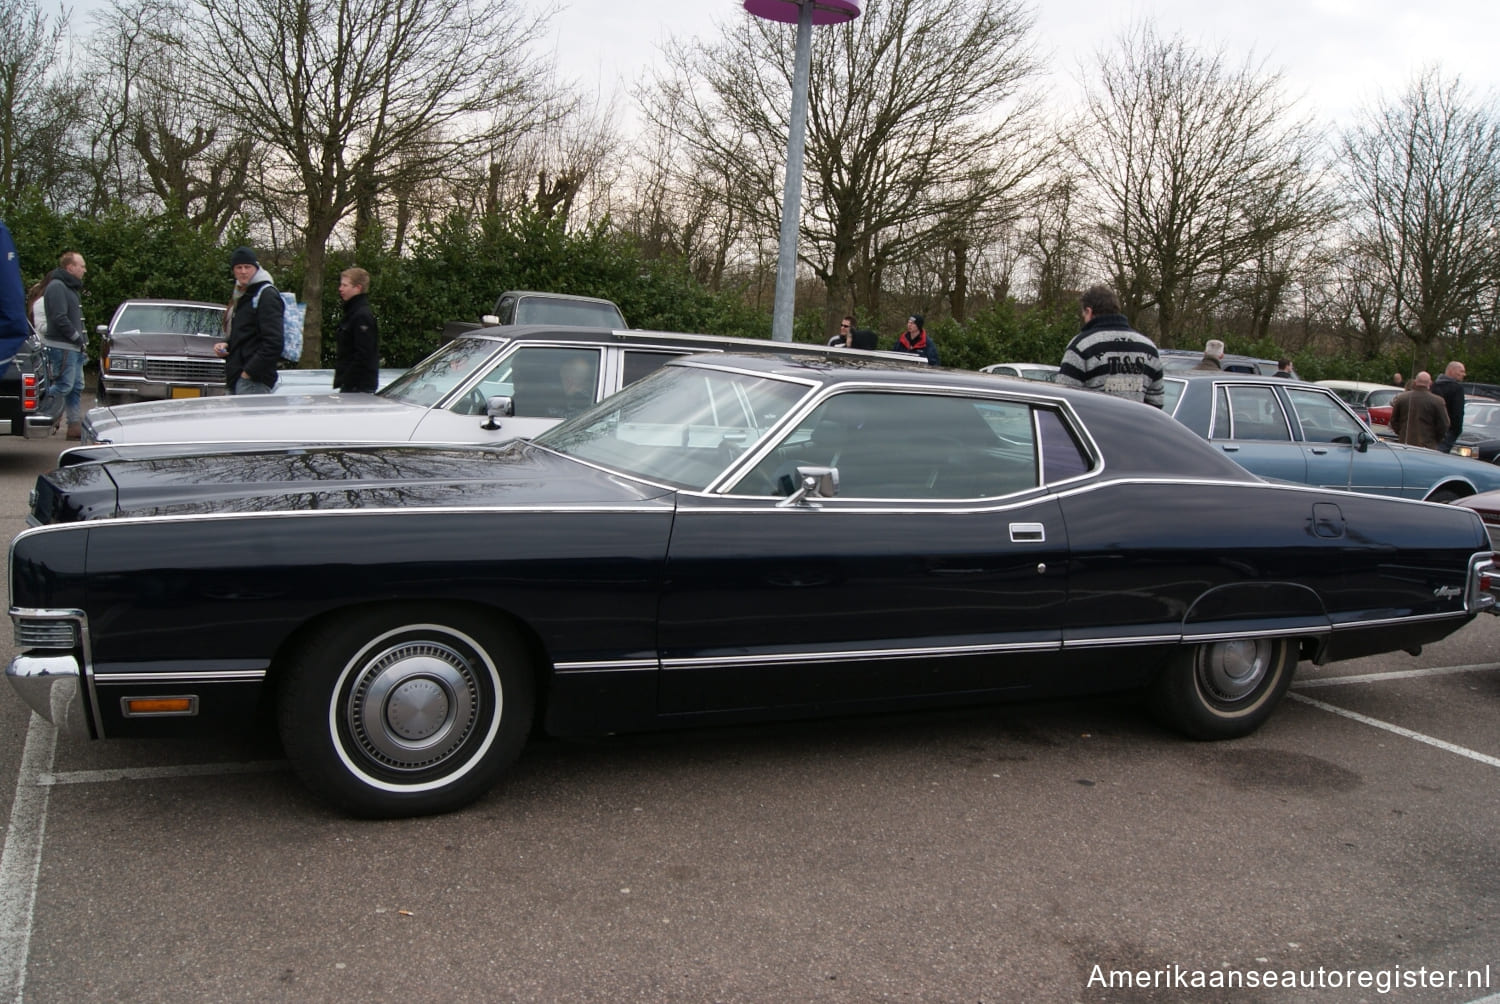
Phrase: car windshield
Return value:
(428, 382)
(1482, 417)
(170, 319)
(682, 425)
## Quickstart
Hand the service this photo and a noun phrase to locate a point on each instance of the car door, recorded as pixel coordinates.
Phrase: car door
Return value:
(1251, 425)
(546, 384)
(1341, 452)
(940, 566)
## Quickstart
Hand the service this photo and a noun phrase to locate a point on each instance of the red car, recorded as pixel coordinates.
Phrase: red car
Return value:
(1379, 404)
(1487, 504)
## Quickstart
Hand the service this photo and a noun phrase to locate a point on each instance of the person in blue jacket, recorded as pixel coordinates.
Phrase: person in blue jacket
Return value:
(14, 325)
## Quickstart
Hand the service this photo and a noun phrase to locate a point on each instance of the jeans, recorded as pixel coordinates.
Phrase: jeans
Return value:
(66, 369)
(244, 385)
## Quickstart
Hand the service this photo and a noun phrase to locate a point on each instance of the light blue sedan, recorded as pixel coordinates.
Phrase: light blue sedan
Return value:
(1301, 432)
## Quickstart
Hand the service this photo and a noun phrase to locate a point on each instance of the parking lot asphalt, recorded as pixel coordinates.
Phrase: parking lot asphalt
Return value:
(1057, 851)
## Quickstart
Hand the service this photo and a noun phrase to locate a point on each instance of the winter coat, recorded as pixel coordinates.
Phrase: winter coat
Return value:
(356, 369)
(256, 328)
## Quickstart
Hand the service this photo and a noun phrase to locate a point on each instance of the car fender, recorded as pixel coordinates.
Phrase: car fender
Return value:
(1255, 609)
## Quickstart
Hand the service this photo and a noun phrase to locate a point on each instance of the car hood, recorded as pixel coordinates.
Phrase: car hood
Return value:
(301, 478)
(164, 344)
(275, 418)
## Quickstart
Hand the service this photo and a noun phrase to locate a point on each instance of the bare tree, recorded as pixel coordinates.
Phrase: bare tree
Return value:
(1195, 171)
(40, 103)
(152, 139)
(1424, 173)
(915, 127)
(356, 97)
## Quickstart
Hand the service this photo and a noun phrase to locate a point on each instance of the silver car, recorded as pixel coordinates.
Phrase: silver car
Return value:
(486, 386)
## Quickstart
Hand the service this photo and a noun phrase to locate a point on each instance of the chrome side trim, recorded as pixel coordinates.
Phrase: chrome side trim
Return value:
(608, 666)
(860, 655)
(212, 676)
(1121, 642)
(1388, 621)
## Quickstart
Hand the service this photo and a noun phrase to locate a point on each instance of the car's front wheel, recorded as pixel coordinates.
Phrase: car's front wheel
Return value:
(1224, 689)
(402, 712)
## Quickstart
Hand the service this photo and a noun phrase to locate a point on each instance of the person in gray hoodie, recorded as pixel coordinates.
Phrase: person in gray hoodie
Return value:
(66, 339)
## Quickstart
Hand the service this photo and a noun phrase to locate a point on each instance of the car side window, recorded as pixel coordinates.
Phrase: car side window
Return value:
(541, 381)
(907, 446)
(1322, 419)
(1249, 412)
(639, 363)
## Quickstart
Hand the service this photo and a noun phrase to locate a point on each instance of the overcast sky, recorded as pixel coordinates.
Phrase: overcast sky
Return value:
(1337, 55)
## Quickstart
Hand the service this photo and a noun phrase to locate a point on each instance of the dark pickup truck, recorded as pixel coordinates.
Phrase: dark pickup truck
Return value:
(26, 409)
(524, 306)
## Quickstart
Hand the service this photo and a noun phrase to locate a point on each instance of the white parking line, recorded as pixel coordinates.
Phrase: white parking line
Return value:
(149, 773)
(1398, 730)
(1395, 674)
(21, 862)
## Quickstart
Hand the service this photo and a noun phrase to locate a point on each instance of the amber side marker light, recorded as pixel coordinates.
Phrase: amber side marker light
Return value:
(145, 707)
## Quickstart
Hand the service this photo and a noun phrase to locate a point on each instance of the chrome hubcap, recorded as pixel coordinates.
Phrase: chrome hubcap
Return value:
(1231, 670)
(413, 705)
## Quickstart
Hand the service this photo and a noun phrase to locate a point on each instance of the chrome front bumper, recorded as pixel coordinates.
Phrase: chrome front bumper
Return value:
(52, 686)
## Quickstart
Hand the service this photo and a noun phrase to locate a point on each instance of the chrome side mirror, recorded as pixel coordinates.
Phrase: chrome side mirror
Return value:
(812, 482)
(499, 406)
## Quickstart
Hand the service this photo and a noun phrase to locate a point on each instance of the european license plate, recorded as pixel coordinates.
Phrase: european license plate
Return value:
(186, 392)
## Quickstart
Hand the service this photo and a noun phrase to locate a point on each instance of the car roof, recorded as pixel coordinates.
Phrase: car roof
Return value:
(1134, 438)
(670, 339)
(154, 302)
(1236, 377)
(529, 293)
(1365, 385)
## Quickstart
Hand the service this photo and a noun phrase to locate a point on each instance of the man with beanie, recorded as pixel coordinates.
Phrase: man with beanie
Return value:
(67, 339)
(1109, 355)
(254, 322)
(356, 370)
(916, 341)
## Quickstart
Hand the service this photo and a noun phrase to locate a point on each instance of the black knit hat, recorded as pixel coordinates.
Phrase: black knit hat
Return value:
(917, 320)
(243, 256)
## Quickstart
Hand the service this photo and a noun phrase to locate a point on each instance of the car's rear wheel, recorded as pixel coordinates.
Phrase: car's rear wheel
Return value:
(1445, 495)
(401, 712)
(1224, 689)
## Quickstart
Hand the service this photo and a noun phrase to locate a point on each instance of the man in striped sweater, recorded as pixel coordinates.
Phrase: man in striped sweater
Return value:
(1109, 355)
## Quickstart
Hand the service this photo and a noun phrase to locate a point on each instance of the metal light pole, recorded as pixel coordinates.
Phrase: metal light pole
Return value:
(805, 14)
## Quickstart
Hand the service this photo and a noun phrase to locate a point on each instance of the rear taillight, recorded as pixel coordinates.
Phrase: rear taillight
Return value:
(28, 391)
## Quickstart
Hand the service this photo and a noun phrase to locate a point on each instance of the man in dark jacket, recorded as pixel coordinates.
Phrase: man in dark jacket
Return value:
(356, 369)
(67, 339)
(256, 325)
(1450, 388)
(1109, 355)
(916, 341)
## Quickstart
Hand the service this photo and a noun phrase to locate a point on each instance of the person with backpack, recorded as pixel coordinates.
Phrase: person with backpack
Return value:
(65, 338)
(255, 326)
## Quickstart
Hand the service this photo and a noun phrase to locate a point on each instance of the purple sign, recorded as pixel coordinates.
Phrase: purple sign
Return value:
(823, 11)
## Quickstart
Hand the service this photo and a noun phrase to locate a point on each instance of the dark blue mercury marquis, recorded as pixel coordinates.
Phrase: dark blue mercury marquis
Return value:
(735, 537)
